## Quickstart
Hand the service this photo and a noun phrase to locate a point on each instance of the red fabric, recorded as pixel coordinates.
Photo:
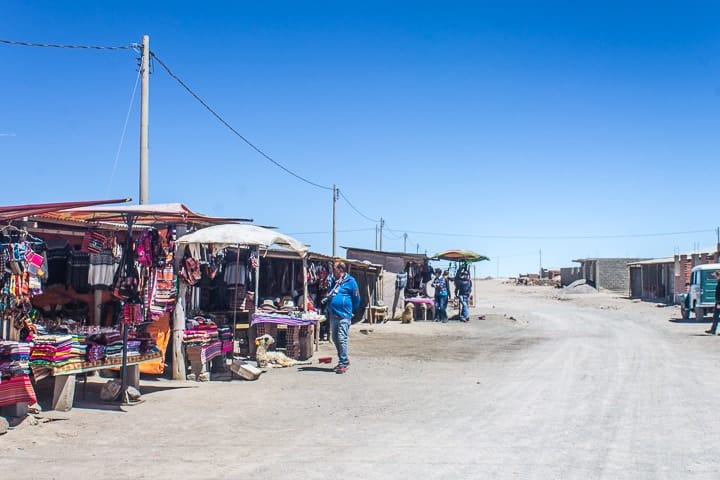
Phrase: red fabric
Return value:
(18, 389)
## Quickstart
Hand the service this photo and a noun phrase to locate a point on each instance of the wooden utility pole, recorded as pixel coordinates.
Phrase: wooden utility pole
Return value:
(335, 190)
(382, 222)
(404, 242)
(144, 115)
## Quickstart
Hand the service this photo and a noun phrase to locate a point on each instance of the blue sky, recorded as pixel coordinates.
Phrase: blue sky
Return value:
(508, 128)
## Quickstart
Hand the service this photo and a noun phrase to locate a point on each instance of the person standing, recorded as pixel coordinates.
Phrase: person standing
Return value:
(716, 309)
(463, 289)
(442, 290)
(342, 300)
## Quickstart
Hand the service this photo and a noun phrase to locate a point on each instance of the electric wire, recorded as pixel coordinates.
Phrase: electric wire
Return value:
(358, 211)
(330, 231)
(55, 45)
(230, 127)
(122, 135)
(558, 237)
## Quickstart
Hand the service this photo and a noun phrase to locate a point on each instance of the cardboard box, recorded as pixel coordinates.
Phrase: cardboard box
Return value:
(245, 370)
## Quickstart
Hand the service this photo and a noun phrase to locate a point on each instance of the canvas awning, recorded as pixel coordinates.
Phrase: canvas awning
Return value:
(460, 255)
(143, 214)
(19, 211)
(243, 235)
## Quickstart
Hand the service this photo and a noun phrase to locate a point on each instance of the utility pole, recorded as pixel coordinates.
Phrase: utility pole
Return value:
(417, 248)
(382, 222)
(404, 242)
(335, 192)
(144, 115)
(541, 272)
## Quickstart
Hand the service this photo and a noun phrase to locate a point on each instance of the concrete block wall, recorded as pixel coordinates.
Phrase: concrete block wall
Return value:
(613, 274)
(569, 275)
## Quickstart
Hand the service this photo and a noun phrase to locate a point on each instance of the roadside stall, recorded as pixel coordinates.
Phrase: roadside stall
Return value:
(461, 261)
(266, 286)
(23, 275)
(145, 281)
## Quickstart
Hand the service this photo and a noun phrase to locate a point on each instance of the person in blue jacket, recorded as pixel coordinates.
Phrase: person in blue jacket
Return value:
(342, 300)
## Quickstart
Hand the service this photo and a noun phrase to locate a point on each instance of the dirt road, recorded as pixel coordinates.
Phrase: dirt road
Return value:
(546, 386)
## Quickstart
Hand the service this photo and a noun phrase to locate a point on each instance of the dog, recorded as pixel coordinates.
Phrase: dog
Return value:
(272, 359)
(408, 314)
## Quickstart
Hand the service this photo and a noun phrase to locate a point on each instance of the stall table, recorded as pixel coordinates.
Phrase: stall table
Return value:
(425, 304)
(294, 326)
(65, 376)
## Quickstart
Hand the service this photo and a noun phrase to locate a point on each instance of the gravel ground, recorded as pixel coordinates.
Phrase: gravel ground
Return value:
(548, 385)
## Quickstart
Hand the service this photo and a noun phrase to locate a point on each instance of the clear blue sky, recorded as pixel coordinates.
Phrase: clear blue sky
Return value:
(508, 128)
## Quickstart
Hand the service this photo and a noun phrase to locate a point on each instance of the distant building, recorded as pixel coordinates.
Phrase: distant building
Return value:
(665, 279)
(391, 261)
(607, 273)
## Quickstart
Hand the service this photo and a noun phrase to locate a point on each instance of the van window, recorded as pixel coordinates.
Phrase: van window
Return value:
(708, 275)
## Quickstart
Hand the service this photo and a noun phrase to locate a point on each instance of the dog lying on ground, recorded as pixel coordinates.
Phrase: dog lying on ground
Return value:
(408, 314)
(272, 359)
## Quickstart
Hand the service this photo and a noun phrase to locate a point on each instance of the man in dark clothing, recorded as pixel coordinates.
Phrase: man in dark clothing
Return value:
(716, 309)
(463, 289)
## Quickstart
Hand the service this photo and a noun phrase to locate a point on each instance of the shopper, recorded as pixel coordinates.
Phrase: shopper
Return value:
(342, 300)
(442, 290)
(463, 289)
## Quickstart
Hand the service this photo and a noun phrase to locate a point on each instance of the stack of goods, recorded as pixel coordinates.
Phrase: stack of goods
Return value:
(78, 348)
(51, 351)
(114, 345)
(226, 337)
(201, 339)
(146, 343)
(15, 385)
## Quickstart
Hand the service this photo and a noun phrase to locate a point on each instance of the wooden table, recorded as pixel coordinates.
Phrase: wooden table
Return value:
(65, 376)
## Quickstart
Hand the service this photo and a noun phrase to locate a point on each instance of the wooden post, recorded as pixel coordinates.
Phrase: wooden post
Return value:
(178, 330)
(97, 306)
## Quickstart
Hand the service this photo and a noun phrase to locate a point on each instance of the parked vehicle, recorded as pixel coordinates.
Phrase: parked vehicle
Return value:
(700, 297)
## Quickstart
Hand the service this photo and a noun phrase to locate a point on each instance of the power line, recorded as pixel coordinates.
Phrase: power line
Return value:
(559, 237)
(55, 45)
(122, 135)
(222, 120)
(358, 211)
(342, 231)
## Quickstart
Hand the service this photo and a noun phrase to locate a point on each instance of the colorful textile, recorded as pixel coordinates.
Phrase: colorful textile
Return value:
(18, 389)
(279, 319)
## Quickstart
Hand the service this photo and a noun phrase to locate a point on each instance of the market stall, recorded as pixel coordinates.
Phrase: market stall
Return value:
(23, 274)
(145, 282)
(267, 289)
(461, 261)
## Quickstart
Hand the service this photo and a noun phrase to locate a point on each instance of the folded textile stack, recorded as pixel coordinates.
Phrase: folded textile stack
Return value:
(15, 385)
(51, 351)
(200, 331)
(226, 337)
(102, 345)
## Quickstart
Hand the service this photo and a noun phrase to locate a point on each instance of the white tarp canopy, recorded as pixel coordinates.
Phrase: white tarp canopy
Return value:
(242, 235)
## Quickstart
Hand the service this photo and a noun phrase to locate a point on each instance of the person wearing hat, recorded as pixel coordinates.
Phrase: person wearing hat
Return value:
(716, 309)
(342, 300)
